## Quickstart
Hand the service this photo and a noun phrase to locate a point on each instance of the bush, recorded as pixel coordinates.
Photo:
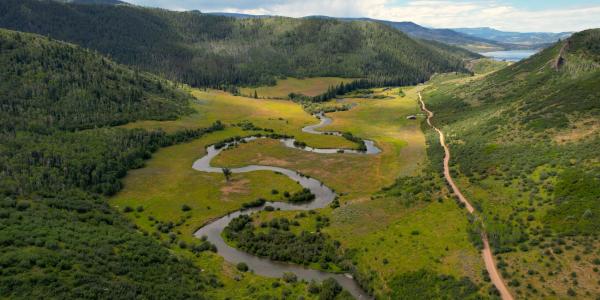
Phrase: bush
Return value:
(313, 287)
(23, 205)
(304, 195)
(330, 288)
(127, 209)
(186, 207)
(242, 267)
(256, 203)
(425, 284)
(289, 277)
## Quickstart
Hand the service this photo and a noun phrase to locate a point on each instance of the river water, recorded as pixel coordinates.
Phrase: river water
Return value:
(323, 197)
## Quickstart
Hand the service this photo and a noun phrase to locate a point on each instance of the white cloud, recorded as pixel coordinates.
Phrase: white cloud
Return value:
(434, 13)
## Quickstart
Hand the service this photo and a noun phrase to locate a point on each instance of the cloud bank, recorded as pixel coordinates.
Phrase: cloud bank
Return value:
(433, 13)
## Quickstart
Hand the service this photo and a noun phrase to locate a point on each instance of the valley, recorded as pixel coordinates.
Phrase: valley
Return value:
(150, 153)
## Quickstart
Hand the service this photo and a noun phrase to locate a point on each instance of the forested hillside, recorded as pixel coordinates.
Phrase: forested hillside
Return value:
(56, 85)
(525, 142)
(447, 36)
(209, 50)
(59, 237)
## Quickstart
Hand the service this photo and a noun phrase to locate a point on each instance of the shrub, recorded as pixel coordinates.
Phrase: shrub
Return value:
(256, 203)
(186, 207)
(182, 245)
(330, 288)
(289, 277)
(313, 287)
(242, 267)
(23, 205)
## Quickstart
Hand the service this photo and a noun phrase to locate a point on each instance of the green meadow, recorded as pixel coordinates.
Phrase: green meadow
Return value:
(307, 86)
(377, 232)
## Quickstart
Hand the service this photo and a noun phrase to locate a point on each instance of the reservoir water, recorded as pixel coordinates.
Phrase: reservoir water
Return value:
(511, 55)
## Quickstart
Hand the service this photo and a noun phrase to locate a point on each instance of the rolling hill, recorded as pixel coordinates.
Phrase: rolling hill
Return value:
(474, 39)
(524, 141)
(447, 36)
(208, 50)
(59, 156)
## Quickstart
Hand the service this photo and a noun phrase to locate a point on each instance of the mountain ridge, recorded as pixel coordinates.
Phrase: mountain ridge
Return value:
(207, 50)
(450, 36)
(521, 38)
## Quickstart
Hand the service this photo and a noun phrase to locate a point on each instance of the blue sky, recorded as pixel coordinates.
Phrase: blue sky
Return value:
(531, 15)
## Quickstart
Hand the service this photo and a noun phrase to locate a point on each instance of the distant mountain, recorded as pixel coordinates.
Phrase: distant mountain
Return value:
(238, 15)
(447, 36)
(520, 38)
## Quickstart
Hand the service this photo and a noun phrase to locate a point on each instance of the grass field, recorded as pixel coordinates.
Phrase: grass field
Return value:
(306, 86)
(354, 175)
(375, 227)
(284, 117)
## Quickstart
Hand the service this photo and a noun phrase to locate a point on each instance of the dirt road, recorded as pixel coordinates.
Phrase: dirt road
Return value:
(488, 258)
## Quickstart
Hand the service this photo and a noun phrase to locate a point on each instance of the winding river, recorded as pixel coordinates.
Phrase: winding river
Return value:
(323, 197)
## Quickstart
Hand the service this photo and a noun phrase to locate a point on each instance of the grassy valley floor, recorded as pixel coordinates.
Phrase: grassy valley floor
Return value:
(386, 235)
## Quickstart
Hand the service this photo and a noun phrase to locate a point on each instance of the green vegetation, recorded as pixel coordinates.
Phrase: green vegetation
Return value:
(59, 238)
(443, 245)
(278, 243)
(63, 156)
(309, 87)
(304, 195)
(576, 196)
(524, 141)
(486, 65)
(424, 284)
(208, 50)
(48, 85)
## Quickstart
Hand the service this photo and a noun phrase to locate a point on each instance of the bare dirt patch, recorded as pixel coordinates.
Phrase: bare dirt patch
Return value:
(582, 130)
(233, 187)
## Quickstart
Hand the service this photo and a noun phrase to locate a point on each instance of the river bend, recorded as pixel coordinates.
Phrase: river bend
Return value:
(323, 197)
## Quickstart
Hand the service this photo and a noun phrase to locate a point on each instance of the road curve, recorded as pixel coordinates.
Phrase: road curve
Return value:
(488, 258)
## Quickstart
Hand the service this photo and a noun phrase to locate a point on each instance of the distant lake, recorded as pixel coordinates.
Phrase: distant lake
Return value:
(512, 55)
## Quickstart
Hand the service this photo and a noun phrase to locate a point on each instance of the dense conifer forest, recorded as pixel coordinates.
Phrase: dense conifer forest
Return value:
(59, 237)
(209, 50)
